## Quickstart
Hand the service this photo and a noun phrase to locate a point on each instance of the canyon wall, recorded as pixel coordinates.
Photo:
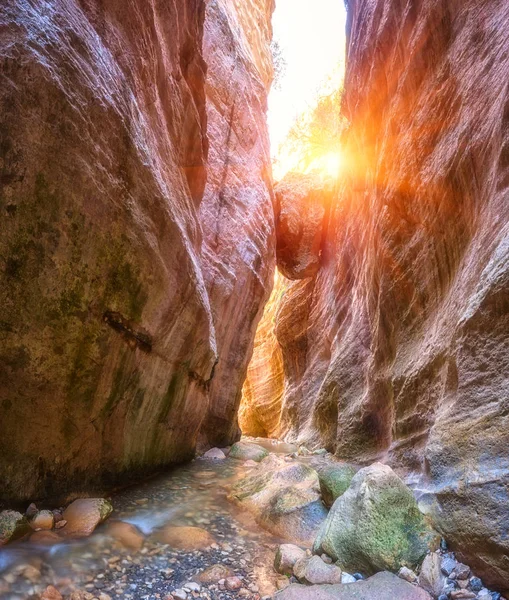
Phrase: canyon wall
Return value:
(398, 348)
(111, 329)
(237, 210)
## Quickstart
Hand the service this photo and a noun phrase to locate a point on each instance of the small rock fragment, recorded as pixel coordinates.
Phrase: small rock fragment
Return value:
(431, 577)
(232, 584)
(286, 557)
(51, 593)
(461, 571)
(347, 578)
(215, 453)
(407, 574)
(43, 519)
(475, 584)
(316, 572)
(462, 595)
(447, 564)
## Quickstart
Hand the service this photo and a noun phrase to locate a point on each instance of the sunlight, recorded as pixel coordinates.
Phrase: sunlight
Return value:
(329, 164)
(308, 33)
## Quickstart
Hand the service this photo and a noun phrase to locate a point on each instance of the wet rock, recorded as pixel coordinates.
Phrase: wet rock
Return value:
(51, 593)
(248, 451)
(214, 574)
(215, 453)
(249, 464)
(284, 498)
(13, 525)
(335, 479)
(45, 537)
(185, 538)
(84, 515)
(128, 535)
(375, 525)
(43, 519)
(431, 577)
(286, 557)
(315, 571)
(407, 574)
(382, 586)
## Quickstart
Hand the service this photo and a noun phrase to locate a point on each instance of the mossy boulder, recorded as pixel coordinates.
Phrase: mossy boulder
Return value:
(13, 525)
(375, 525)
(284, 498)
(335, 479)
(248, 451)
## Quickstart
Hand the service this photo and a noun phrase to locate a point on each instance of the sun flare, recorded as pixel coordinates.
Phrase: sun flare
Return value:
(329, 164)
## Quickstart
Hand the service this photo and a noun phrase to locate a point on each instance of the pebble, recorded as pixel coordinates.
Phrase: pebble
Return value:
(462, 595)
(180, 594)
(461, 571)
(407, 574)
(232, 583)
(475, 584)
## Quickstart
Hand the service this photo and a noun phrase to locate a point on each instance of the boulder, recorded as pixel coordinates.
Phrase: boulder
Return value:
(382, 586)
(84, 515)
(248, 451)
(431, 577)
(314, 570)
(13, 525)
(375, 525)
(185, 538)
(284, 498)
(335, 479)
(286, 557)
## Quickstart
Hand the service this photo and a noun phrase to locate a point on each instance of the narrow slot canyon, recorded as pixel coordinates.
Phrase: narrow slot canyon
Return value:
(254, 294)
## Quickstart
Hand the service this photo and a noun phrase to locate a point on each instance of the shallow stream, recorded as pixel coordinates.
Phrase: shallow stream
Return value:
(134, 562)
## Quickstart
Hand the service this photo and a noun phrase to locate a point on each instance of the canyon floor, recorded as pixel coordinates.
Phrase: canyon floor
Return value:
(134, 562)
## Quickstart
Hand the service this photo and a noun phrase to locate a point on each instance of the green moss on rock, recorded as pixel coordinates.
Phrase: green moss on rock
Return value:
(248, 451)
(375, 525)
(335, 479)
(13, 525)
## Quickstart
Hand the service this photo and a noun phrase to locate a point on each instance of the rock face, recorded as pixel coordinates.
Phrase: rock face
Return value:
(237, 211)
(262, 393)
(398, 346)
(120, 289)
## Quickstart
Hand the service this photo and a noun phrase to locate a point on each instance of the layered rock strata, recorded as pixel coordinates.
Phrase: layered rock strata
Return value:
(237, 211)
(112, 321)
(397, 349)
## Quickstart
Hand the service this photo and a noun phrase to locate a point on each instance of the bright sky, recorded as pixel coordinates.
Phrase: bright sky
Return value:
(312, 39)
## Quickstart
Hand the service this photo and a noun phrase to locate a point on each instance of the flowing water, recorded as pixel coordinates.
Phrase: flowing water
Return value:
(133, 561)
